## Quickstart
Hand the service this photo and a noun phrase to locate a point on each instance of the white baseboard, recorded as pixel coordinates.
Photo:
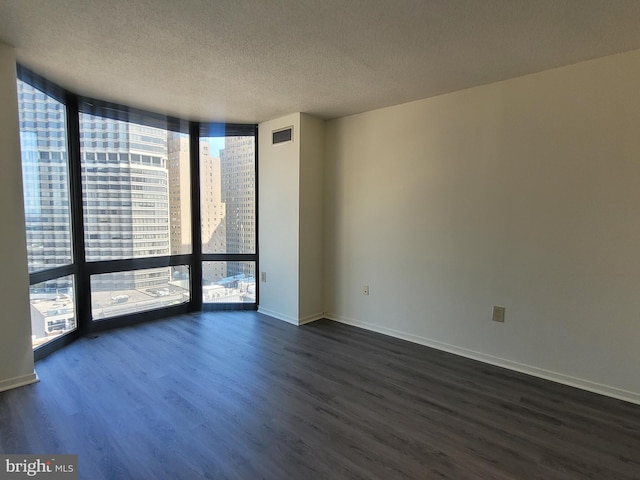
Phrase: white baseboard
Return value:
(19, 381)
(311, 318)
(613, 392)
(279, 316)
(290, 319)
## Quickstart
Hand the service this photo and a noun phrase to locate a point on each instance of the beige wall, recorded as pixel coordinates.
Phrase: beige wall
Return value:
(291, 219)
(16, 356)
(523, 193)
(279, 212)
(311, 218)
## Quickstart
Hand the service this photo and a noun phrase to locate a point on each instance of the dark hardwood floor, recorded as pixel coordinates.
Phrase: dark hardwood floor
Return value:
(240, 395)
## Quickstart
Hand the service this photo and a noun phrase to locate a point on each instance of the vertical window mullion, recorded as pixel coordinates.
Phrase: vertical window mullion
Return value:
(196, 228)
(255, 206)
(83, 294)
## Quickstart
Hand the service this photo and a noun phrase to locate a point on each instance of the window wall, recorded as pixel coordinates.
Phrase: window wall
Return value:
(47, 202)
(228, 219)
(135, 189)
(114, 198)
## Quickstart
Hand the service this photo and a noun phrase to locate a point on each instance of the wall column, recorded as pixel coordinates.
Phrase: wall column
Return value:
(16, 354)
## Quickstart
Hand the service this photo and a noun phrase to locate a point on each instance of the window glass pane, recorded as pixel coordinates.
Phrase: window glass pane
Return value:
(45, 174)
(179, 171)
(123, 293)
(228, 282)
(227, 189)
(53, 310)
(135, 190)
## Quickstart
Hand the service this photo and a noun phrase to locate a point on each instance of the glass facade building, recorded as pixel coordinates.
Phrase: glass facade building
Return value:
(45, 176)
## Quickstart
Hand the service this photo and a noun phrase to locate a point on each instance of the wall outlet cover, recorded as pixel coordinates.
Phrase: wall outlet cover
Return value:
(498, 313)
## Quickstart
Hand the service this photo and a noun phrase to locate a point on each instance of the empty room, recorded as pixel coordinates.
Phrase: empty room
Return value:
(320, 239)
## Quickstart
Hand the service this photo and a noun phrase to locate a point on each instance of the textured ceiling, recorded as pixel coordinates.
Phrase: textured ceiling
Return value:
(254, 60)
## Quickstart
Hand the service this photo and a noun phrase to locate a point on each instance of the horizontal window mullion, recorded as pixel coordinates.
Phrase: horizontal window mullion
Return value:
(114, 111)
(230, 257)
(123, 265)
(214, 307)
(52, 273)
(227, 130)
(49, 88)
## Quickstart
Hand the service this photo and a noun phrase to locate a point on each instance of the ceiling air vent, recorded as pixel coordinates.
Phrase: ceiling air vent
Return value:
(284, 135)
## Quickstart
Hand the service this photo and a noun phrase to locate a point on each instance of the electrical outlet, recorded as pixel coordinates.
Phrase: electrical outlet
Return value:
(263, 277)
(365, 289)
(498, 314)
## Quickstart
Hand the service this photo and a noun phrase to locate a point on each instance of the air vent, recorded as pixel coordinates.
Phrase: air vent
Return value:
(284, 135)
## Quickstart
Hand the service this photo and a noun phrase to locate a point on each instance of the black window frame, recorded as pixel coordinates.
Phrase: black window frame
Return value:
(81, 269)
(227, 130)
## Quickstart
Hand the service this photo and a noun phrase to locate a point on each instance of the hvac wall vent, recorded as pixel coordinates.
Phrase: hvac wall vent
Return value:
(283, 135)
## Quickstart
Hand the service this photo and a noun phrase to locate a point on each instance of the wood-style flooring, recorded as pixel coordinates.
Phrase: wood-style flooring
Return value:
(241, 395)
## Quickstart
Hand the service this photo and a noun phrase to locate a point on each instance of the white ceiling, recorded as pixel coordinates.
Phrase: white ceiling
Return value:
(254, 60)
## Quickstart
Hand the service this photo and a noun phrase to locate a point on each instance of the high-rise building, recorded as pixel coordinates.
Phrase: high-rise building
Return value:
(125, 191)
(237, 161)
(213, 214)
(125, 197)
(179, 171)
(45, 177)
(212, 208)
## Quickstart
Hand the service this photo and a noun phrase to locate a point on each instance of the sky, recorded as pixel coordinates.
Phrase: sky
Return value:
(215, 145)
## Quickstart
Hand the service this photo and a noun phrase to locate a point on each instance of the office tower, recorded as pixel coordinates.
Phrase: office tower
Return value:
(237, 161)
(124, 190)
(213, 214)
(125, 197)
(179, 171)
(45, 178)
(212, 209)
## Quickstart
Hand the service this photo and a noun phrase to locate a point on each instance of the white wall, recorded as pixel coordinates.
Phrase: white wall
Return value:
(278, 174)
(523, 193)
(311, 218)
(16, 356)
(291, 218)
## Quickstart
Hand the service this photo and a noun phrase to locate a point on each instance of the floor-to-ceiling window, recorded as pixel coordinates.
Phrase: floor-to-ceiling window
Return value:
(47, 202)
(131, 215)
(136, 198)
(228, 217)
